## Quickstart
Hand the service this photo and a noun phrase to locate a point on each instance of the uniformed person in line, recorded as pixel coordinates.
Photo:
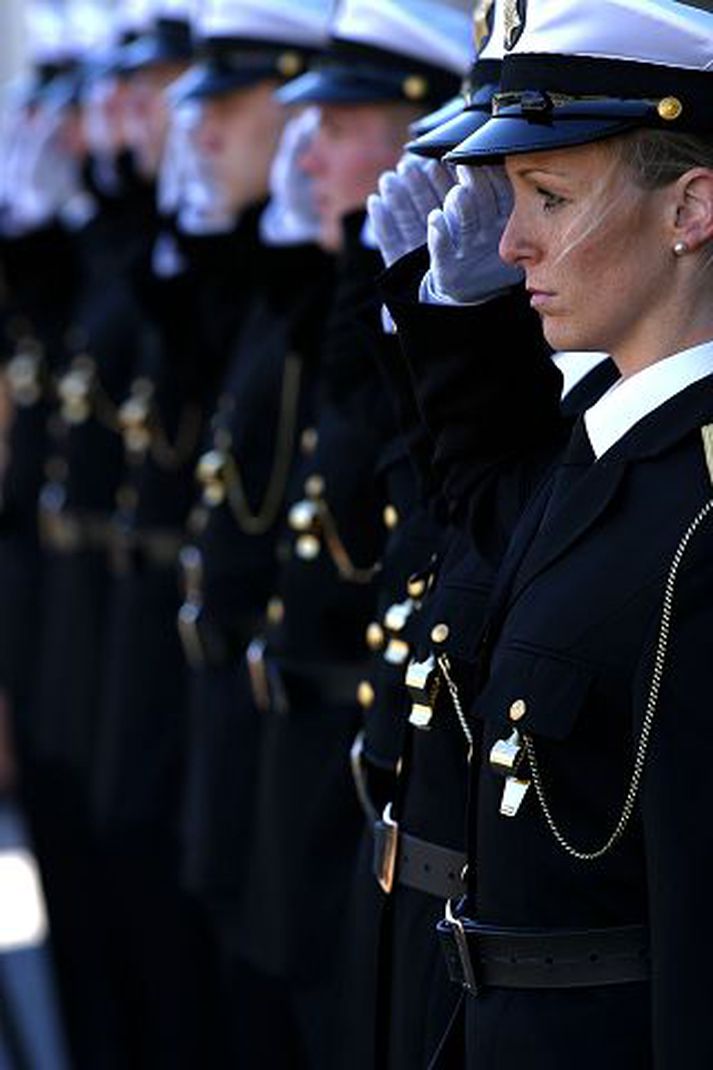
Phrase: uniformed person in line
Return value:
(44, 198)
(108, 220)
(580, 939)
(161, 959)
(348, 501)
(420, 849)
(378, 752)
(39, 280)
(260, 418)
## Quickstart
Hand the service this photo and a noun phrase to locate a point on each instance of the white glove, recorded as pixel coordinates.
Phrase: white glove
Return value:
(189, 185)
(42, 176)
(463, 240)
(399, 212)
(291, 216)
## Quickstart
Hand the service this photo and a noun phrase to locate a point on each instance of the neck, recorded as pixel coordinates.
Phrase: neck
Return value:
(680, 324)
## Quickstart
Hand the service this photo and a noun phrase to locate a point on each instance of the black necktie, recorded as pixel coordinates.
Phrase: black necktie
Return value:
(576, 460)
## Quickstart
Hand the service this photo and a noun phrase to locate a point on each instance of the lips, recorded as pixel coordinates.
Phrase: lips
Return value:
(540, 299)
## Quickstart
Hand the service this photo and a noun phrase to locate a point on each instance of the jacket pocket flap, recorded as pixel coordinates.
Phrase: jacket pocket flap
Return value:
(553, 688)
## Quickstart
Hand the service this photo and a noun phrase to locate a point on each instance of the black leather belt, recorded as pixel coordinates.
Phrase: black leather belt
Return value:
(282, 684)
(480, 956)
(136, 551)
(67, 532)
(404, 859)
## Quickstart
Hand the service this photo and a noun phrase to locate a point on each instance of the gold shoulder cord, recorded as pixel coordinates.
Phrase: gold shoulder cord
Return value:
(343, 563)
(654, 690)
(257, 523)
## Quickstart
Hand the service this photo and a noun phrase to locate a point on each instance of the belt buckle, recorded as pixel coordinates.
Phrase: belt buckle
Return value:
(356, 758)
(454, 926)
(386, 843)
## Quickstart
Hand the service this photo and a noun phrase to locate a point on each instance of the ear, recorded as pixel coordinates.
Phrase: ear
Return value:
(694, 208)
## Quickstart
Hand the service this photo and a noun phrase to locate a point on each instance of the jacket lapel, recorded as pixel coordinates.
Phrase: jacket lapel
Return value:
(596, 488)
(583, 506)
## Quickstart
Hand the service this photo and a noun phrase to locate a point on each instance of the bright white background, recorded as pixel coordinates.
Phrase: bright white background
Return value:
(11, 39)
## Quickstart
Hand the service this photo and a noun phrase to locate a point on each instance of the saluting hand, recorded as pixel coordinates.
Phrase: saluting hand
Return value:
(463, 239)
(399, 212)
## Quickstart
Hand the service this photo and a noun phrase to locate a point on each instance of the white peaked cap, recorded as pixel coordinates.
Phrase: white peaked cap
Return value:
(297, 22)
(136, 16)
(574, 72)
(185, 10)
(44, 20)
(436, 32)
(441, 132)
(89, 27)
(667, 32)
(495, 45)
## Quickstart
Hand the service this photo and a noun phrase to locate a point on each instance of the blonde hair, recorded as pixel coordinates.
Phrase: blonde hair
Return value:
(658, 157)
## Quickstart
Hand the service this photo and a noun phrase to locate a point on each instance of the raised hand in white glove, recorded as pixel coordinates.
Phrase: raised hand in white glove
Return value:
(188, 180)
(291, 215)
(399, 211)
(463, 239)
(42, 174)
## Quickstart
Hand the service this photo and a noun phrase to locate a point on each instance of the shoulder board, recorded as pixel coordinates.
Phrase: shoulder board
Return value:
(707, 435)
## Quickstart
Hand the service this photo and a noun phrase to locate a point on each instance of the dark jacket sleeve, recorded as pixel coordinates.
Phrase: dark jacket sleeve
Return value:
(488, 393)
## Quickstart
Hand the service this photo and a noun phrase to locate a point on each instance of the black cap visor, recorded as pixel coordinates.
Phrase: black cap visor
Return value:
(339, 85)
(205, 80)
(519, 128)
(434, 119)
(152, 50)
(449, 135)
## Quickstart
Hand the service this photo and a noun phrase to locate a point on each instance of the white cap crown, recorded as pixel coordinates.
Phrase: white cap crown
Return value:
(297, 22)
(672, 33)
(435, 32)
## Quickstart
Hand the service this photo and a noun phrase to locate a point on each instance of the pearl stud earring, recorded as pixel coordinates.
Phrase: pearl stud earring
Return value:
(680, 248)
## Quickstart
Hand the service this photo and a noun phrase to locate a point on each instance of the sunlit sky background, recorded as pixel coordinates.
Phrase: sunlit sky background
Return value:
(11, 38)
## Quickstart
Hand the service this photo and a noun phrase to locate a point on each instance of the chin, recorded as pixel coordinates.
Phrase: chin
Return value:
(564, 335)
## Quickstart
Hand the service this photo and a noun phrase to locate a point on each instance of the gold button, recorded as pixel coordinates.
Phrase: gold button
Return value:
(518, 709)
(211, 466)
(416, 587)
(275, 611)
(397, 616)
(302, 516)
(669, 108)
(415, 87)
(289, 64)
(314, 486)
(439, 633)
(307, 547)
(391, 516)
(374, 636)
(397, 652)
(365, 695)
(309, 440)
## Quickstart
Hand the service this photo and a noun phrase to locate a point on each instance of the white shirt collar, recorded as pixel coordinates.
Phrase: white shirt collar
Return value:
(575, 365)
(629, 400)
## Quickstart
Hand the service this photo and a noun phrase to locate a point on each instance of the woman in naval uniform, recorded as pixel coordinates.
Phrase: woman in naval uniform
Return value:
(582, 939)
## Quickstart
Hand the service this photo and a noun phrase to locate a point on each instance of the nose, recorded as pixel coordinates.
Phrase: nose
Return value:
(311, 157)
(206, 132)
(515, 247)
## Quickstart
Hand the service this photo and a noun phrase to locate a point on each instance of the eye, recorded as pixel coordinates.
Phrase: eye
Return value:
(550, 201)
